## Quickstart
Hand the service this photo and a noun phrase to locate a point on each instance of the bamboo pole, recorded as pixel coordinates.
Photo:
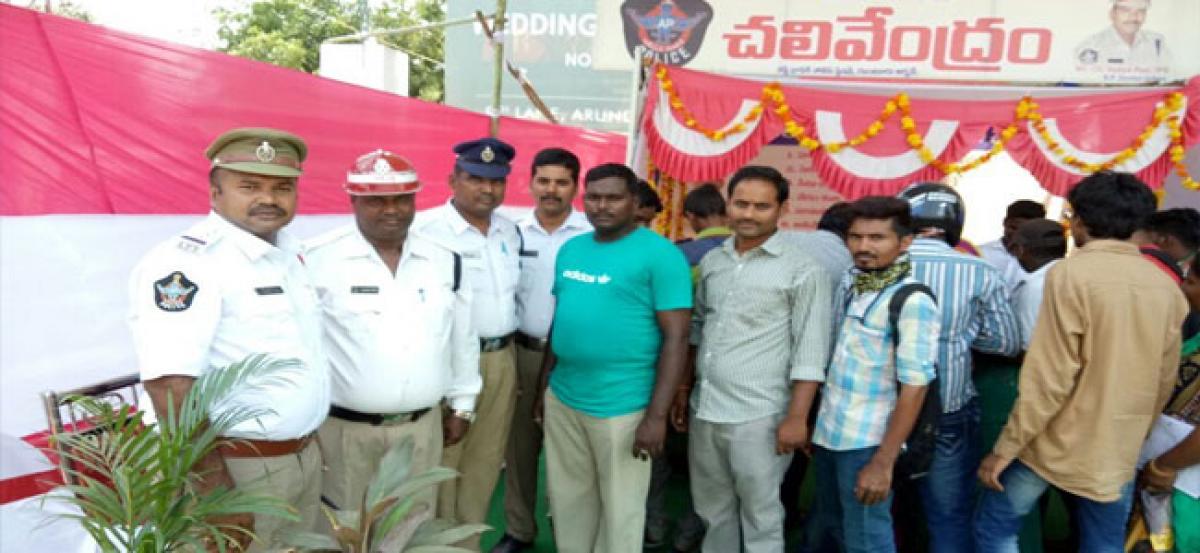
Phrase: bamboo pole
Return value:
(498, 64)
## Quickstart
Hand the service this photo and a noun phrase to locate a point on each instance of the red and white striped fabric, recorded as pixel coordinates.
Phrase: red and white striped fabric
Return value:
(1091, 125)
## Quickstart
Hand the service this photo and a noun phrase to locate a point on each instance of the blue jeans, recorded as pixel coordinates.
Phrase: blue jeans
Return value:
(948, 493)
(998, 521)
(839, 521)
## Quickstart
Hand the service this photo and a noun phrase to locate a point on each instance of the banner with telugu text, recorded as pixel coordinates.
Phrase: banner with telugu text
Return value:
(1073, 41)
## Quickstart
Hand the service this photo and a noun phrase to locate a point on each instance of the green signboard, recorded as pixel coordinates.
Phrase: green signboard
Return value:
(552, 41)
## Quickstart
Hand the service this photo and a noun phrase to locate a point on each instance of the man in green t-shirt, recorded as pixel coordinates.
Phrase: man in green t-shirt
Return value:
(617, 349)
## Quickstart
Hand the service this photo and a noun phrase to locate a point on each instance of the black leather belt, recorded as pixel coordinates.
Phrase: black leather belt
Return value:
(487, 345)
(375, 419)
(529, 342)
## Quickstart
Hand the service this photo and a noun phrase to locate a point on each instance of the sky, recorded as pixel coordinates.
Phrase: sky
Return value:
(187, 22)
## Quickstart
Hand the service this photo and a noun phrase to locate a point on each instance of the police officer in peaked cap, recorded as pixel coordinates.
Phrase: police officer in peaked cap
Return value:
(232, 286)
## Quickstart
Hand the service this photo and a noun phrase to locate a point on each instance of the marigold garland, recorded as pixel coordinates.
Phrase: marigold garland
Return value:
(871, 131)
(1173, 103)
(1177, 154)
(689, 120)
(1027, 109)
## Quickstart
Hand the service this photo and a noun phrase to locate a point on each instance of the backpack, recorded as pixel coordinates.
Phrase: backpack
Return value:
(917, 455)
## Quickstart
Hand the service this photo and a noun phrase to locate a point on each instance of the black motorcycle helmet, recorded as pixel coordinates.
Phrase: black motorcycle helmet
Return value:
(938, 206)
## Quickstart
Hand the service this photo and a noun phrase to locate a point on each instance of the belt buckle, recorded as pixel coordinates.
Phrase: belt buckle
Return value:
(396, 418)
(491, 344)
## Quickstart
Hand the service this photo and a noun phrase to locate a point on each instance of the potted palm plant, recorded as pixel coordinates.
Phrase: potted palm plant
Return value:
(389, 519)
(135, 489)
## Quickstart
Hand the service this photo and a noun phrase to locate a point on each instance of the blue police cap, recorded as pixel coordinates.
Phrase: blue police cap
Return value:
(486, 157)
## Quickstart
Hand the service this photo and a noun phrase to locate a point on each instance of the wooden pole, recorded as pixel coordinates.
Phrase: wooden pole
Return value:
(516, 73)
(498, 64)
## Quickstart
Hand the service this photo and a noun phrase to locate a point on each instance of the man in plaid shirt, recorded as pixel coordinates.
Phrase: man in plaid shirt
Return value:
(873, 391)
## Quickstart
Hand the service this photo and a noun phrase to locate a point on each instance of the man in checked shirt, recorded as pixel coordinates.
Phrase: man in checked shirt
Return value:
(875, 385)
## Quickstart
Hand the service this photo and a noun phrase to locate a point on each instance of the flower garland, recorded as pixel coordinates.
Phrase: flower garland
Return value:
(1177, 154)
(689, 120)
(1026, 110)
(1173, 103)
(669, 222)
(874, 128)
(917, 142)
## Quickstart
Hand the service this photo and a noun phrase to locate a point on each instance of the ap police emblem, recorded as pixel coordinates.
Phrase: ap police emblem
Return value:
(665, 31)
(174, 292)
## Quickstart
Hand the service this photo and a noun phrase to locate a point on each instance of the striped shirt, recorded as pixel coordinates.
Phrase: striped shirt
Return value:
(760, 322)
(976, 313)
(828, 249)
(860, 387)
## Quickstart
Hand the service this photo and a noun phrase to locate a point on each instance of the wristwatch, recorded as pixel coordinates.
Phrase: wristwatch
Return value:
(468, 416)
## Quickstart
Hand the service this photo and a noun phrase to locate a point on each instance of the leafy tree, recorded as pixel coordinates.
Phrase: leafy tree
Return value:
(424, 47)
(289, 33)
(68, 8)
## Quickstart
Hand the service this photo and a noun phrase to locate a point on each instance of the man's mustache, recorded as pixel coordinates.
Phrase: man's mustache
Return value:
(269, 210)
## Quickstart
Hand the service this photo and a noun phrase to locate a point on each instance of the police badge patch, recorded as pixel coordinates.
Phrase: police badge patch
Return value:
(665, 31)
(265, 152)
(174, 292)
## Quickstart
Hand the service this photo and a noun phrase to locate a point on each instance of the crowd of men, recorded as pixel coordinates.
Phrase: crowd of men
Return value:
(487, 341)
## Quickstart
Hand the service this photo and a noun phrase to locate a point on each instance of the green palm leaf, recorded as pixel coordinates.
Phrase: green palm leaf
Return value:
(137, 491)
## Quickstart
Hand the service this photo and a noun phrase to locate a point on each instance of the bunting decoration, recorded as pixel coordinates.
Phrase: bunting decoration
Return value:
(703, 127)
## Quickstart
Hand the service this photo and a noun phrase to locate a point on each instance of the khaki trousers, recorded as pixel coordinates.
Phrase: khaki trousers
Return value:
(597, 487)
(524, 446)
(479, 455)
(294, 478)
(353, 451)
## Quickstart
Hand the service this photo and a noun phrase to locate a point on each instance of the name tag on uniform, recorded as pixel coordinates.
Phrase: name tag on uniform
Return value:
(269, 290)
(470, 255)
(364, 289)
(528, 253)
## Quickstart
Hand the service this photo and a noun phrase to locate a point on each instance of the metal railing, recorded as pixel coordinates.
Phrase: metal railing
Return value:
(60, 414)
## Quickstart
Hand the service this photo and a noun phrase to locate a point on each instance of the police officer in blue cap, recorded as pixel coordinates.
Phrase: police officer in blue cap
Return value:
(489, 246)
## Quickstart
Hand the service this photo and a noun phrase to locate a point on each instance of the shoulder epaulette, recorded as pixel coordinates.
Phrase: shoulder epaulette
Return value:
(197, 239)
(327, 238)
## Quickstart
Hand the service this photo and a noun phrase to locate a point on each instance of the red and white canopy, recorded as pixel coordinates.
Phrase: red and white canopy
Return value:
(1091, 125)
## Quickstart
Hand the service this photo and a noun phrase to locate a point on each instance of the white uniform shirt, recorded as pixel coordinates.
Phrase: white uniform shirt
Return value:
(396, 343)
(491, 265)
(539, 249)
(217, 294)
(1027, 301)
(1107, 48)
(997, 256)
